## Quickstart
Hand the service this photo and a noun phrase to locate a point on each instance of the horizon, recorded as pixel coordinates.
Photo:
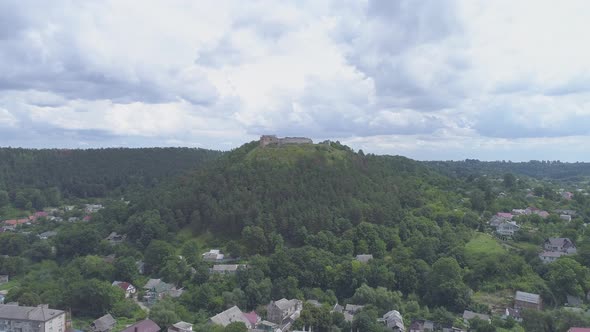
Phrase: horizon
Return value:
(448, 80)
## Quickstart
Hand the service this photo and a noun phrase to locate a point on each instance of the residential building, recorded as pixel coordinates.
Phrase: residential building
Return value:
(226, 268)
(278, 311)
(422, 326)
(181, 327)
(31, 319)
(524, 300)
(560, 244)
(550, 256)
(105, 323)
(505, 215)
(565, 217)
(47, 235)
(507, 228)
(394, 321)
(128, 288)
(157, 289)
(518, 212)
(213, 255)
(115, 238)
(364, 258)
(146, 325)
(233, 314)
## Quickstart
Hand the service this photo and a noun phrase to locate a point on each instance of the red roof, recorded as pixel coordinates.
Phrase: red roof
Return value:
(252, 317)
(124, 285)
(14, 222)
(87, 218)
(146, 325)
(505, 215)
(40, 214)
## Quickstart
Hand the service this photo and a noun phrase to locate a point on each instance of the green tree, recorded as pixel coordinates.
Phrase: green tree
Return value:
(156, 255)
(445, 285)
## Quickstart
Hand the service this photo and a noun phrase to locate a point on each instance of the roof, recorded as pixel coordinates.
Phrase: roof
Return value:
(146, 325)
(233, 314)
(252, 317)
(527, 297)
(38, 314)
(285, 304)
(579, 329)
(468, 315)
(364, 258)
(48, 234)
(183, 325)
(122, 284)
(353, 307)
(555, 254)
(152, 283)
(226, 267)
(104, 323)
(506, 215)
(558, 241)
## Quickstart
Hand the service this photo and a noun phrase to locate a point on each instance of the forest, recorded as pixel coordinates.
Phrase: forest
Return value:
(296, 216)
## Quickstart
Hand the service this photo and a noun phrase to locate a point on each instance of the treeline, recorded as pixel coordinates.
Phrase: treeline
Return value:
(93, 172)
(555, 170)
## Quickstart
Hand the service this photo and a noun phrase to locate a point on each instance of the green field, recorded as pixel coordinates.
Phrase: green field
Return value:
(483, 245)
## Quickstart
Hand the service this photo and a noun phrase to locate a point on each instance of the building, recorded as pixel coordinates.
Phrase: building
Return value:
(364, 258)
(31, 319)
(394, 321)
(181, 327)
(278, 311)
(115, 238)
(128, 288)
(422, 326)
(233, 314)
(105, 323)
(560, 244)
(579, 329)
(523, 300)
(507, 228)
(213, 255)
(47, 235)
(146, 325)
(266, 140)
(550, 256)
(565, 217)
(226, 268)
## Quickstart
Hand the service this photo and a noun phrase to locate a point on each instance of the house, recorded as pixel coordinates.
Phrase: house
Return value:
(73, 219)
(394, 321)
(87, 218)
(226, 268)
(3, 278)
(233, 314)
(181, 327)
(550, 256)
(38, 319)
(105, 323)
(422, 326)
(146, 325)
(543, 214)
(524, 300)
(505, 215)
(157, 289)
(469, 315)
(16, 222)
(574, 301)
(518, 212)
(115, 238)
(267, 326)
(353, 308)
(567, 195)
(47, 235)
(512, 313)
(364, 258)
(128, 288)
(565, 217)
(568, 212)
(93, 208)
(560, 244)
(213, 255)
(278, 311)
(507, 228)
(579, 329)
(252, 317)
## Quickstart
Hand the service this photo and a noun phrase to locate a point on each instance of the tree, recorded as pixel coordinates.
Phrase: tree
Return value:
(236, 327)
(445, 285)
(156, 255)
(77, 240)
(509, 180)
(94, 297)
(165, 312)
(4, 198)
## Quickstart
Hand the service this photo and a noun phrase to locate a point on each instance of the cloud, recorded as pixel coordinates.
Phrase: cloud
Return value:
(441, 79)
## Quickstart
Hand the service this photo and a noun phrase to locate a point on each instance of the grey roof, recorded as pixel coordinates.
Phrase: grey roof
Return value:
(552, 254)
(233, 314)
(48, 234)
(38, 314)
(183, 325)
(527, 297)
(558, 241)
(104, 323)
(468, 315)
(353, 308)
(285, 304)
(364, 258)
(338, 308)
(226, 267)
(146, 325)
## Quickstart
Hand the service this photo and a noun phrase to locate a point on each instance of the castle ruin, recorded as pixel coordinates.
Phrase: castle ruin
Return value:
(266, 140)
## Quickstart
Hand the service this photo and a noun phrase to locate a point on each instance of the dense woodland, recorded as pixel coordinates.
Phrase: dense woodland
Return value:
(297, 216)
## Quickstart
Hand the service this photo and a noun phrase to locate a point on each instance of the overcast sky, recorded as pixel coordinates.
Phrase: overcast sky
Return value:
(492, 80)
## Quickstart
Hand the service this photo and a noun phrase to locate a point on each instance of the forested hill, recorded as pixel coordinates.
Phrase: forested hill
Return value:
(94, 172)
(292, 190)
(553, 170)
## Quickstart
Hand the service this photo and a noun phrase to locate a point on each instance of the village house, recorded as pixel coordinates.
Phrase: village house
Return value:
(507, 228)
(567, 195)
(560, 244)
(279, 311)
(92, 208)
(512, 313)
(469, 315)
(146, 325)
(565, 217)
(213, 255)
(181, 327)
(518, 212)
(394, 321)
(105, 323)
(550, 256)
(422, 326)
(156, 289)
(226, 268)
(115, 238)
(47, 235)
(364, 258)
(31, 319)
(128, 288)
(234, 314)
(524, 300)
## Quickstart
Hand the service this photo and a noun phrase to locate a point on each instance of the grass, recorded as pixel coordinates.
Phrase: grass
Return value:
(483, 245)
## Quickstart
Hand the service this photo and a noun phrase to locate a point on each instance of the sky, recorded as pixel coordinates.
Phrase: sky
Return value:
(430, 80)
